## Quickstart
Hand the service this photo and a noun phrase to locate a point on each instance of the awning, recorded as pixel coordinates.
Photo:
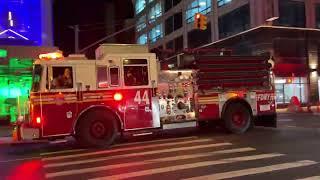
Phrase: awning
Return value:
(288, 70)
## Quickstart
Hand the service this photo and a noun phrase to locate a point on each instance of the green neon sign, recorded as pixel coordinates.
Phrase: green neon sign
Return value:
(3, 53)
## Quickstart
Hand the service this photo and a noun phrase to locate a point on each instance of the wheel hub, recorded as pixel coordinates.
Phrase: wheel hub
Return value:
(238, 119)
(98, 129)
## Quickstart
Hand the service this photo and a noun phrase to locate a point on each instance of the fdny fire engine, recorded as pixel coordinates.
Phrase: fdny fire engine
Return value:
(124, 91)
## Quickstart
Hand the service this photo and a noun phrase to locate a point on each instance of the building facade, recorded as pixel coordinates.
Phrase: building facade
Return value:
(25, 32)
(285, 30)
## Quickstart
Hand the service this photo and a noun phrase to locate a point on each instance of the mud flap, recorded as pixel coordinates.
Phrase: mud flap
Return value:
(266, 121)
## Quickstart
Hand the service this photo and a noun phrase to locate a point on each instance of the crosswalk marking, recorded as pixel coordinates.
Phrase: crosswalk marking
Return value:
(188, 166)
(251, 171)
(155, 141)
(62, 152)
(152, 161)
(135, 154)
(125, 149)
(311, 178)
(122, 145)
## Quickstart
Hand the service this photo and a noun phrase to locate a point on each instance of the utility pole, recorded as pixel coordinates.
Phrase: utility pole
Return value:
(76, 37)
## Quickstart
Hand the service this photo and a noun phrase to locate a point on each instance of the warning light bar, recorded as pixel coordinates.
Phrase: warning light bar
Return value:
(51, 56)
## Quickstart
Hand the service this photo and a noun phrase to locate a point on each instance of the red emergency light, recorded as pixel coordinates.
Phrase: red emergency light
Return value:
(38, 120)
(117, 97)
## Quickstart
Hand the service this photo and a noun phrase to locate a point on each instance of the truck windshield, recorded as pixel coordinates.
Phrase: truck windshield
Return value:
(36, 77)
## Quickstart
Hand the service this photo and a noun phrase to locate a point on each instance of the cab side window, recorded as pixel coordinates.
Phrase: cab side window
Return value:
(136, 72)
(114, 76)
(102, 77)
(62, 77)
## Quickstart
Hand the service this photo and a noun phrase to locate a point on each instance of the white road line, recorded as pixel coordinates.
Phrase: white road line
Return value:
(154, 141)
(259, 170)
(59, 164)
(22, 159)
(121, 145)
(311, 178)
(285, 120)
(105, 152)
(152, 161)
(188, 166)
(62, 152)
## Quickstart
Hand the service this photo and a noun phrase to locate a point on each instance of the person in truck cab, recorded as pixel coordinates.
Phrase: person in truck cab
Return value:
(130, 79)
(63, 81)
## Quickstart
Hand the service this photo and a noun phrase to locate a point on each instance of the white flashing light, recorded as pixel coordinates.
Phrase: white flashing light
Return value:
(51, 56)
(280, 81)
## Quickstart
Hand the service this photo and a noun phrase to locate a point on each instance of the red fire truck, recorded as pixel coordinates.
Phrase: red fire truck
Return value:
(123, 91)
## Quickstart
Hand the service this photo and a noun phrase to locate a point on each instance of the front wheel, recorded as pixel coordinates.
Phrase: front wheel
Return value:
(237, 118)
(96, 129)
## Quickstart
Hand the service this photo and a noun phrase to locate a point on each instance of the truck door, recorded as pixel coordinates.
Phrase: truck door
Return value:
(138, 94)
(60, 111)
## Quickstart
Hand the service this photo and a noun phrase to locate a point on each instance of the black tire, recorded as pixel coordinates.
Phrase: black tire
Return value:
(96, 128)
(237, 118)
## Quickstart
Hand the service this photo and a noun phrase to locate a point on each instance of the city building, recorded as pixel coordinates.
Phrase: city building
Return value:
(25, 32)
(286, 31)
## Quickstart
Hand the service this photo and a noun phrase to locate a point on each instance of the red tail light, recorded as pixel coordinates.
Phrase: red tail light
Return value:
(117, 97)
(38, 120)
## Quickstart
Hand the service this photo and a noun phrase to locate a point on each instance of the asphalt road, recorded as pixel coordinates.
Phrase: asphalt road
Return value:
(292, 151)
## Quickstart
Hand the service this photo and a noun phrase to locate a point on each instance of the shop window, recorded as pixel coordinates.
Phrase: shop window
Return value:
(223, 2)
(102, 77)
(140, 5)
(288, 87)
(62, 78)
(155, 12)
(197, 6)
(136, 72)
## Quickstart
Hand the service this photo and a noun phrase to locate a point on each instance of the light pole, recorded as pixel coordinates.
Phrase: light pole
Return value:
(76, 37)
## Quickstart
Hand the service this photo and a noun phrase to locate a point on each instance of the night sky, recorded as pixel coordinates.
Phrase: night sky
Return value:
(91, 16)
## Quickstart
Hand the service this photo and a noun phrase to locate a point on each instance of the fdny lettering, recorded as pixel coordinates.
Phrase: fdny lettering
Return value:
(265, 97)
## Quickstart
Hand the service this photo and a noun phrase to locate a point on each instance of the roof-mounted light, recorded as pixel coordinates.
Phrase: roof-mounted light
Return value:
(51, 56)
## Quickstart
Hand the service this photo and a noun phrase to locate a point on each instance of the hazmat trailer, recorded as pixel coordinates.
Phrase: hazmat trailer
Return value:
(123, 92)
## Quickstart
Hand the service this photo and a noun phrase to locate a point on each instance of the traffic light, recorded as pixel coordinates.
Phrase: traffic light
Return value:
(200, 21)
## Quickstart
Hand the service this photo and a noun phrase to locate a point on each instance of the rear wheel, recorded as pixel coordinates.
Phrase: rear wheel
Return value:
(97, 129)
(237, 118)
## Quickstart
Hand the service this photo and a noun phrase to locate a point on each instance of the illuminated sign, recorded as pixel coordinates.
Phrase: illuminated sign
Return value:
(3, 53)
(21, 20)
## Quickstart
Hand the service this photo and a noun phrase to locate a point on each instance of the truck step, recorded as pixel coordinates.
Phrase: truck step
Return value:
(180, 125)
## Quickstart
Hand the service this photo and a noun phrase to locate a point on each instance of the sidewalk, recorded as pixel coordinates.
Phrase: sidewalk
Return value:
(314, 110)
(5, 135)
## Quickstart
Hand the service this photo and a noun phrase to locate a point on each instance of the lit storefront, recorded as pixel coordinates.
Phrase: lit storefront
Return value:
(289, 87)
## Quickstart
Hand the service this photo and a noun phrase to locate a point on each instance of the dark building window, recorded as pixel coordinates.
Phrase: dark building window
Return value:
(234, 22)
(290, 50)
(173, 23)
(170, 4)
(197, 38)
(292, 13)
(175, 45)
(318, 16)
(169, 25)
